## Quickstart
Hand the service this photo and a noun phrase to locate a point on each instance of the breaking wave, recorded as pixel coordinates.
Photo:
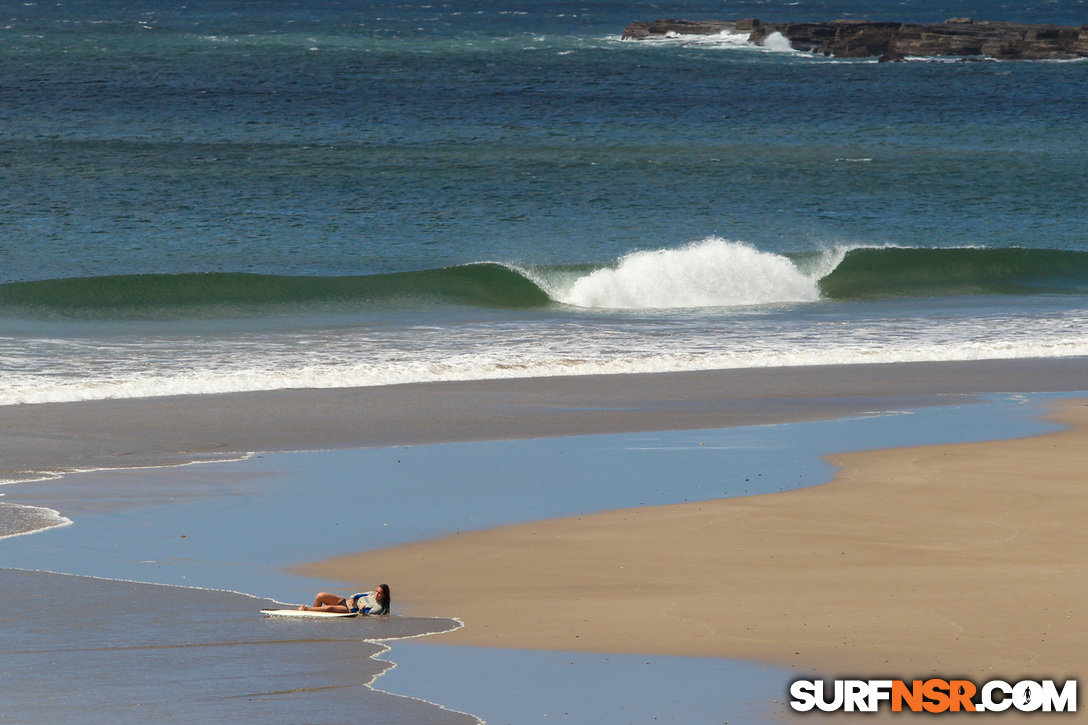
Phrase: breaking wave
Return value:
(711, 273)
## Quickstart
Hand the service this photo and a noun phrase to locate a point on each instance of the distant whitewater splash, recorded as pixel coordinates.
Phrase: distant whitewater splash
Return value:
(709, 274)
(726, 39)
(777, 41)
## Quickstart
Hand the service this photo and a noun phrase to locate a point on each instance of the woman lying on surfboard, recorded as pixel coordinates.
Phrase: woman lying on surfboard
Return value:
(376, 602)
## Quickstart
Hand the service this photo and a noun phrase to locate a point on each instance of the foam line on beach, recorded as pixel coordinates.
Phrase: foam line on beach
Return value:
(21, 520)
(393, 667)
(146, 583)
(38, 476)
(484, 367)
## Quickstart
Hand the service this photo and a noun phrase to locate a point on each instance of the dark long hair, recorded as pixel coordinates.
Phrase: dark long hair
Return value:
(385, 598)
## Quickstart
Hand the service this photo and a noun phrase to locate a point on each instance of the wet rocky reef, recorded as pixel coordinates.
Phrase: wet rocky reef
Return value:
(956, 37)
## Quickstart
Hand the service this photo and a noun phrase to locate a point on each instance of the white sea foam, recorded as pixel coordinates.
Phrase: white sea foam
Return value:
(18, 519)
(712, 273)
(724, 39)
(777, 41)
(575, 352)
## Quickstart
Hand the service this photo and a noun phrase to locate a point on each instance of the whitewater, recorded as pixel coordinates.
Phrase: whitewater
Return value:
(713, 273)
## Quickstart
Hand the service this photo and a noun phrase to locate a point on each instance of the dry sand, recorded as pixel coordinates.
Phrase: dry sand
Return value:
(964, 560)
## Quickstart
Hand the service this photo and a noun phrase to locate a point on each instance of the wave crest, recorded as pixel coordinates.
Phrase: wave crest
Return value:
(711, 273)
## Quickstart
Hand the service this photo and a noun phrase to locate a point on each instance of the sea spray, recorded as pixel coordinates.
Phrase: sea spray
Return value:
(777, 41)
(711, 273)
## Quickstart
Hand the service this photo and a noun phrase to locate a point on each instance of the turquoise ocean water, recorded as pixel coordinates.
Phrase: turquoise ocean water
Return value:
(223, 196)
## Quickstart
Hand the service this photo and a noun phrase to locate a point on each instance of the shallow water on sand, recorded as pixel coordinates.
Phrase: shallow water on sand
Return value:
(233, 525)
(515, 686)
(100, 651)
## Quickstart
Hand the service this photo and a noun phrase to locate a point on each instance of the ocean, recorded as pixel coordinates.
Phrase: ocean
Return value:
(227, 196)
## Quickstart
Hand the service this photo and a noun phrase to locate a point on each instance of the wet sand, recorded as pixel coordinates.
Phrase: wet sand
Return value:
(108, 434)
(964, 559)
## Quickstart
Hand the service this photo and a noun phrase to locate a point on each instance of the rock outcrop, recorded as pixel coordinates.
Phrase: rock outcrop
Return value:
(957, 37)
(661, 28)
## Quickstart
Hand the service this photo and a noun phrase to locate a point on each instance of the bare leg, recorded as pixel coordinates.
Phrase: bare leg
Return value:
(326, 602)
(326, 598)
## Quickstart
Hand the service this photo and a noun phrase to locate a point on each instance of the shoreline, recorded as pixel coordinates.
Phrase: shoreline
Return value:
(862, 575)
(50, 439)
(481, 412)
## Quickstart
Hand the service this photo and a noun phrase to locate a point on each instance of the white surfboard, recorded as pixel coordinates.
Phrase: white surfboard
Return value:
(306, 615)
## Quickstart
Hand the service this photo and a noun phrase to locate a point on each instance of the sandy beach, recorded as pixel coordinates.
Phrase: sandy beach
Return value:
(952, 559)
(945, 559)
